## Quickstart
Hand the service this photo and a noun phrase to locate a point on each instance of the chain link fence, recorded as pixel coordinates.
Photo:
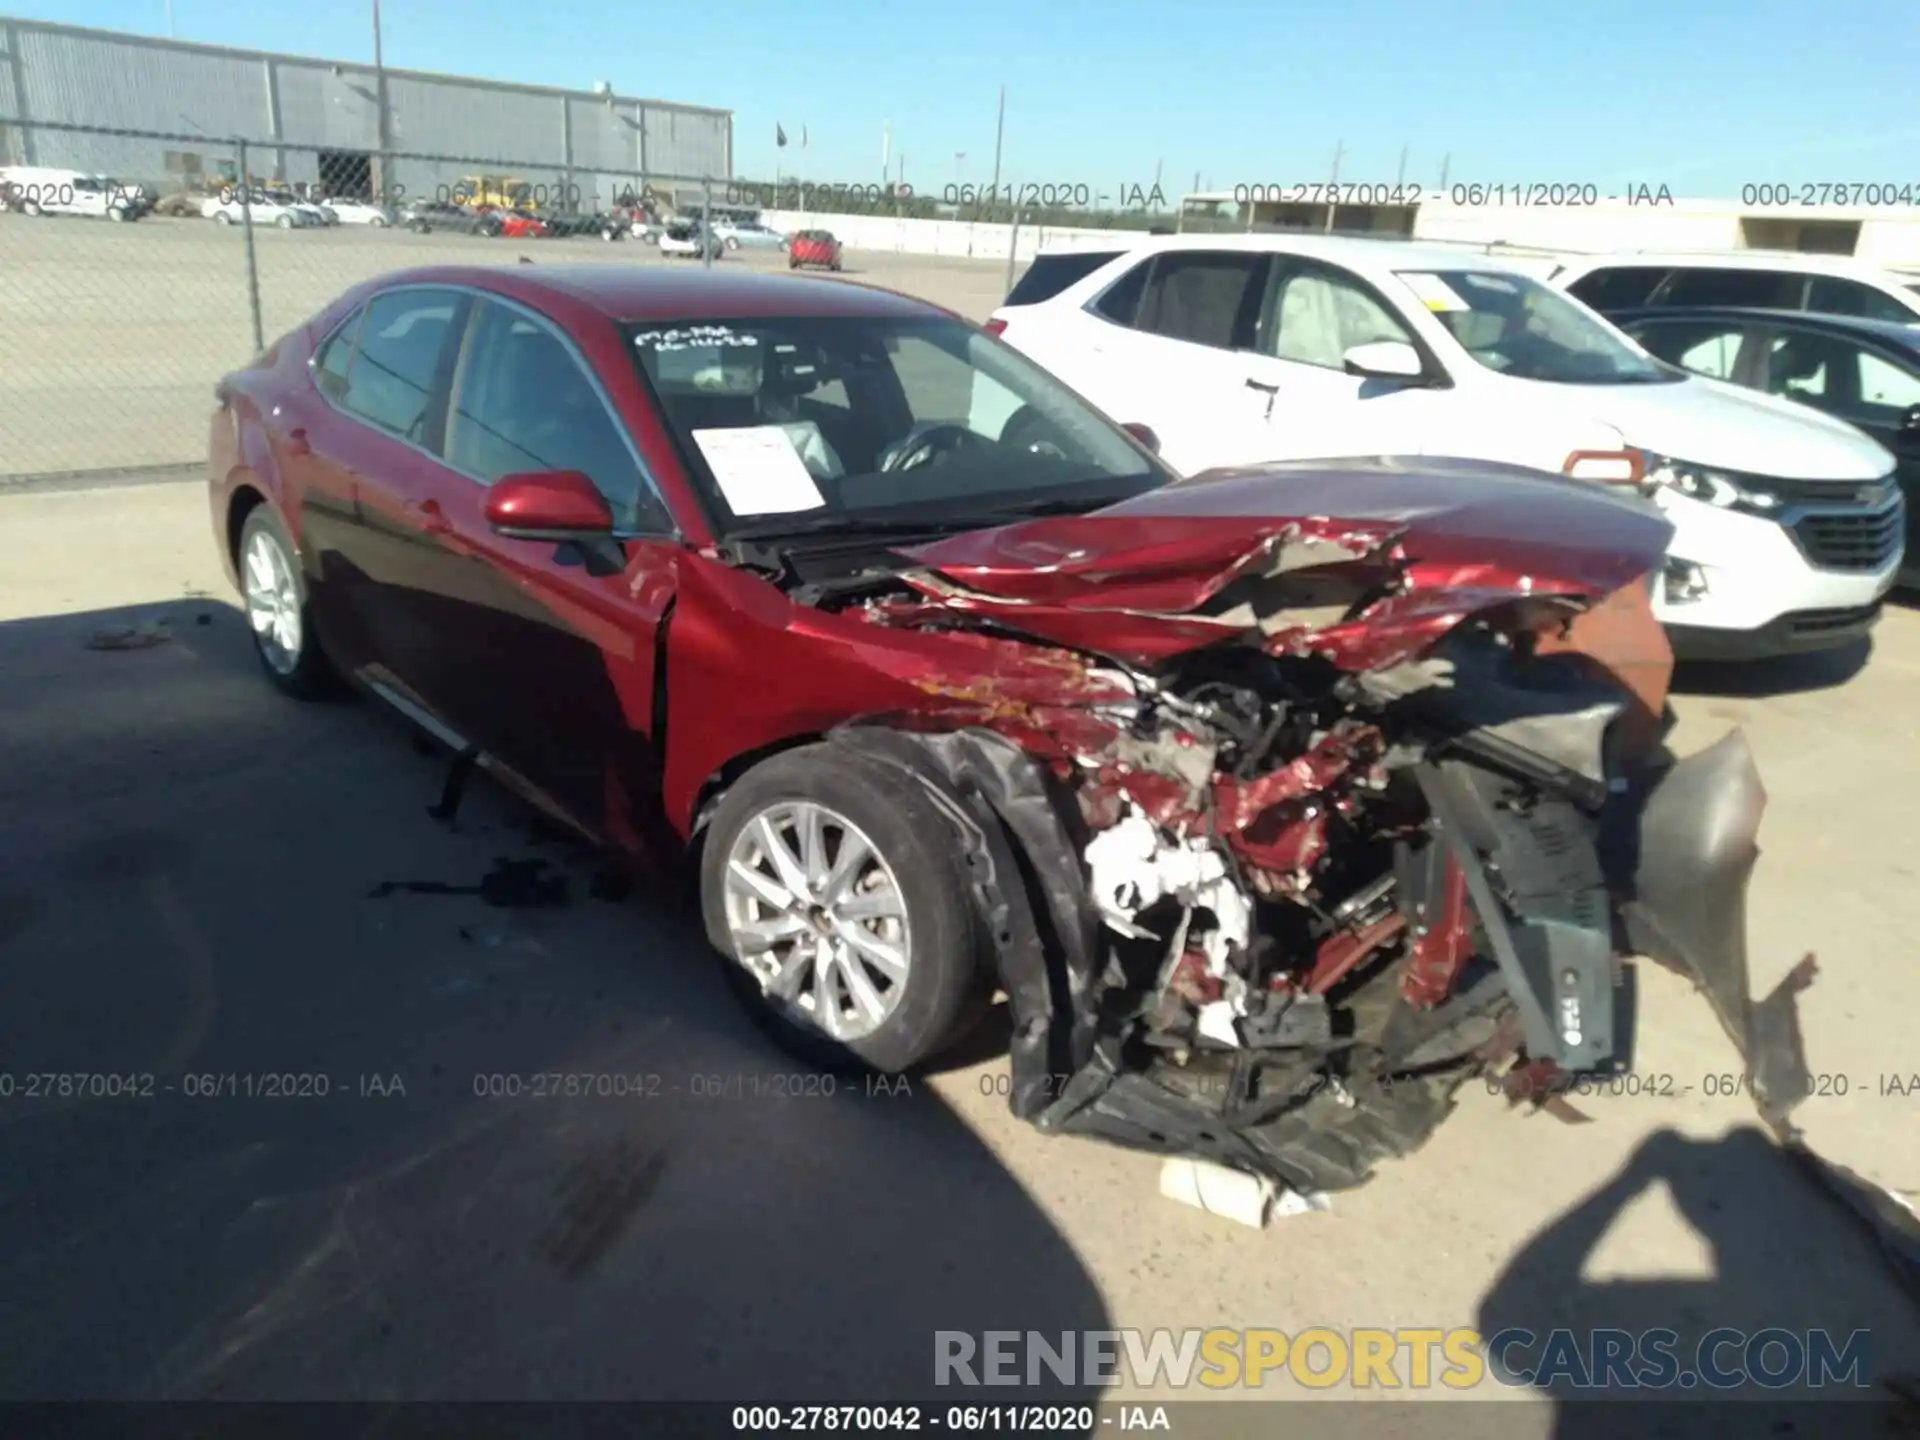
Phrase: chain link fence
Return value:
(128, 292)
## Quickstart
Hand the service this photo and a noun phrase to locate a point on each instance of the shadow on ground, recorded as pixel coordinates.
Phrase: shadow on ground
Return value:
(1784, 675)
(187, 873)
(1821, 1317)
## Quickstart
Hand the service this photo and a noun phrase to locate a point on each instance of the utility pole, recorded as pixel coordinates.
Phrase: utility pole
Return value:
(1445, 163)
(1400, 180)
(383, 123)
(999, 134)
(1333, 196)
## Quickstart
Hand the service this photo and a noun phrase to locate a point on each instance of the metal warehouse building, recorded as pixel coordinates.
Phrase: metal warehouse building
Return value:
(318, 120)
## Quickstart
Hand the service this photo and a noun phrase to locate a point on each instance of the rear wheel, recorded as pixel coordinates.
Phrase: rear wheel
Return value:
(838, 895)
(117, 214)
(223, 217)
(278, 613)
(285, 222)
(377, 223)
(30, 207)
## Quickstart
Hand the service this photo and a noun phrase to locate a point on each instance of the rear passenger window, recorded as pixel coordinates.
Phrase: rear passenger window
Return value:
(1850, 297)
(1202, 296)
(1710, 348)
(1751, 289)
(390, 381)
(1120, 302)
(1048, 275)
(1619, 287)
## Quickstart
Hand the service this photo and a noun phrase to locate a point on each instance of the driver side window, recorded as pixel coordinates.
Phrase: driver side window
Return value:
(1314, 316)
(522, 402)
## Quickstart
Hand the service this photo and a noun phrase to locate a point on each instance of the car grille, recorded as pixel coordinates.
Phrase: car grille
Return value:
(1851, 540)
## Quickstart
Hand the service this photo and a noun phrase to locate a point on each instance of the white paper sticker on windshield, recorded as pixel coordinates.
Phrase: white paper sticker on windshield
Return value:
(1432, 291)
(758, 470)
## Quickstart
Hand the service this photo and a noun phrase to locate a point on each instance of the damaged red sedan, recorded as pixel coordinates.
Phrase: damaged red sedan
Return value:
(1277, 802)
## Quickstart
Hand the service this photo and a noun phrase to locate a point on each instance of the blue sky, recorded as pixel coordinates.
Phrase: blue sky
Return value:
(1703, 96)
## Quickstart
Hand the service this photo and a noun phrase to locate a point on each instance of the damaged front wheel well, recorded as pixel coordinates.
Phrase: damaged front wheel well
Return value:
(716, 785)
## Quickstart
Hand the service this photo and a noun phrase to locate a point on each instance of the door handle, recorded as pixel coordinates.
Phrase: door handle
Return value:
(431, 517)
(1270, 391)
(297, 441)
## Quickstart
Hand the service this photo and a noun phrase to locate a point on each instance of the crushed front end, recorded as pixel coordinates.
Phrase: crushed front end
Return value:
(1308, 830)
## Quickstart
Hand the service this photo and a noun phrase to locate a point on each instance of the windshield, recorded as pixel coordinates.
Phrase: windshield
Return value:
(812, 421)
(1519, 327)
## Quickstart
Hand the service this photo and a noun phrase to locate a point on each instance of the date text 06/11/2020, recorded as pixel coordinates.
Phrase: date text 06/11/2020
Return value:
(1467, 194)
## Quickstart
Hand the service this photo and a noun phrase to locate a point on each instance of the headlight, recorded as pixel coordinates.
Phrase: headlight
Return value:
(1708, 486)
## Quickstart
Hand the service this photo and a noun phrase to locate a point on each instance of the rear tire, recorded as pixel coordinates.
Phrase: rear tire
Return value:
(915, 876)
(223, 217)
(285, 222)
(117, 214)
(279, 614)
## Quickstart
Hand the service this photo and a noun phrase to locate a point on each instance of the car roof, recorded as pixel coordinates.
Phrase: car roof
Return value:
(1893, 332)
(661, 292)
(1800, 260)
(1355, 252)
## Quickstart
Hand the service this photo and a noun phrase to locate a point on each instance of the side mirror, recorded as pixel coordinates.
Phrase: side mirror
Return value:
(1910, 422)
(547, 505)
(1384, 360)
(1144, 434)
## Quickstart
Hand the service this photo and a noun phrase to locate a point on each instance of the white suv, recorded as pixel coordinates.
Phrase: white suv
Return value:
(1789, 526)
(1750, 279)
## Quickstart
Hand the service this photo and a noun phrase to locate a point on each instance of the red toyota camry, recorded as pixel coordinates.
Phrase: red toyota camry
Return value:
(945, 686)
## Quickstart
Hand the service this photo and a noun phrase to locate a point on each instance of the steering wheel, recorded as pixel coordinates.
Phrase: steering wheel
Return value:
(923, 443)
(1027, 429)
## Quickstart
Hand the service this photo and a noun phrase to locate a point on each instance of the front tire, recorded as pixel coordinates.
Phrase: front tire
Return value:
(279, 616)
(837, 895)
(285, 222)
(377, 223)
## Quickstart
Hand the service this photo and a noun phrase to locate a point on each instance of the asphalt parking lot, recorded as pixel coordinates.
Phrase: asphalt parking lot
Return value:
(199, 878)
(112, 336)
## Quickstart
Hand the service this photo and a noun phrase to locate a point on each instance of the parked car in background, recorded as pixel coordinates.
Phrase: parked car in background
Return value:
(519, 224)
(682, 239)
(423, 217)
(39, 190)
(349, 210)
(726, 571)
(565, 223)
(1751, 279)
(1242, 349)
(267, 208)
(815, 248)
(748, 235)
(1865, 372)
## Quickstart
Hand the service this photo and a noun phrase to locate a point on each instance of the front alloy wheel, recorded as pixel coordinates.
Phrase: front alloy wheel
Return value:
(816, 914)
(835, 889)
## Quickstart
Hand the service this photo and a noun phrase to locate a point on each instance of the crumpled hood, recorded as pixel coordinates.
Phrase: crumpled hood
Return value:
(1441, 538)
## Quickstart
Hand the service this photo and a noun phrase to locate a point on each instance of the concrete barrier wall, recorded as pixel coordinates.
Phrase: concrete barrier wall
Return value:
(1887, 236)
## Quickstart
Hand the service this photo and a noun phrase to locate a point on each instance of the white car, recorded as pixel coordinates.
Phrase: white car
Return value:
(685, 241)
(356, 212)
(1789, 526)
(1750, 279)
(740, 234)
(39, 190)
(267, 210)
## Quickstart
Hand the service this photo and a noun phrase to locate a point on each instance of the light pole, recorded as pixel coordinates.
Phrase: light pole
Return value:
(382, 127)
